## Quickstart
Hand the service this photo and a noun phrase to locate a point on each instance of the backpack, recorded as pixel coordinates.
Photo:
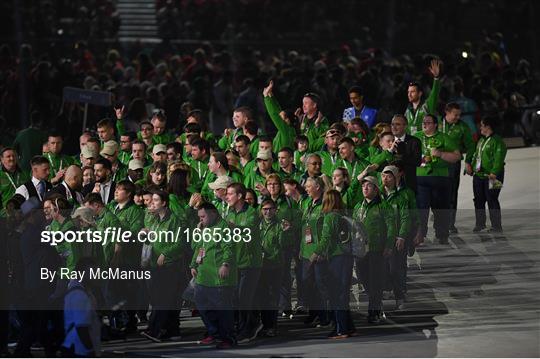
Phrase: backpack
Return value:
(352, 236)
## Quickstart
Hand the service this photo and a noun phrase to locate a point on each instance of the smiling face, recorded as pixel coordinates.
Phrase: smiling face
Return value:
(157, 177)
(413, 94)
(49, 210)
(125, 143)
(356, 100)
(239, 119)
(345, 150)
(314, 166)
(398, 126)
(268, 211)
(386, 141)
(309, 106)
(453, 115)
(9, 160)
(101, 173)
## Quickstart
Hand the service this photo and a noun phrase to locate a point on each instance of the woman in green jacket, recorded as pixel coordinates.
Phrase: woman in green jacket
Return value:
(336, 263)
(488, 170)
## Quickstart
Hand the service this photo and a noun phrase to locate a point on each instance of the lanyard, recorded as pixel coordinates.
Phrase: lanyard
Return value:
(348, 166)
(333, 157)
(310, 210)
(11, 180)
(481, 148)
(52, 163)
(363, 211)
(201, 176)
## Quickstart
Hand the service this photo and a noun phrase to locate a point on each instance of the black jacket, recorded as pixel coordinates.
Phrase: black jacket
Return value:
(409, 153)
(90, 187)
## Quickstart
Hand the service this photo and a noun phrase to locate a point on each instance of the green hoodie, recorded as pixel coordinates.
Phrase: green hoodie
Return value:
(107, 219)
(171, 246)
(131, 218)
(328, 245)
(215, 254)
(399, 201)
(273, 242)
(460, 133)
(379, 221)
(489, 156)
(248, 253)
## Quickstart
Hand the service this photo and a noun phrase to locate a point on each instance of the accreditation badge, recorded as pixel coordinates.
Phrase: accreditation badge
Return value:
(200, 255)
(307, 235)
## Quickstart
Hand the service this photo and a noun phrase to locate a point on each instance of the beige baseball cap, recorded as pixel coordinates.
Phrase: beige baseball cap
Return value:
(109, 148)
(264, 155)
(371, 180)
(159, 148)
(392, 169)
(221, 182)
(135, 165)
(87, 153)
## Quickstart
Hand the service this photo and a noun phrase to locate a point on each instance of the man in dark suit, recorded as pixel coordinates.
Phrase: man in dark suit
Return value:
(407, 150)
(103, 184)
(70, 187)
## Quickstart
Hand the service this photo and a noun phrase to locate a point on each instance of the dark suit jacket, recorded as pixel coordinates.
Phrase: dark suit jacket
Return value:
(89, 187)
(61, 190)
(409, 152)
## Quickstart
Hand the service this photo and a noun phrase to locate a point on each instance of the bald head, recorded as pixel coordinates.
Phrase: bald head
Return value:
(73, 177)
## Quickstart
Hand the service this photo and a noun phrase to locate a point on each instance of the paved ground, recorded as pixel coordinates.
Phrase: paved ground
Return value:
(477, 297)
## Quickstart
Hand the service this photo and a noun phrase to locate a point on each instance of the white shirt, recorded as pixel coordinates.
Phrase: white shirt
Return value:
(23, 191)
(79, 198)
(104, 191)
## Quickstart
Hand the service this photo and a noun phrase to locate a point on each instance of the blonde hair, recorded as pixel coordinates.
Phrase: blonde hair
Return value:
(332, 201)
